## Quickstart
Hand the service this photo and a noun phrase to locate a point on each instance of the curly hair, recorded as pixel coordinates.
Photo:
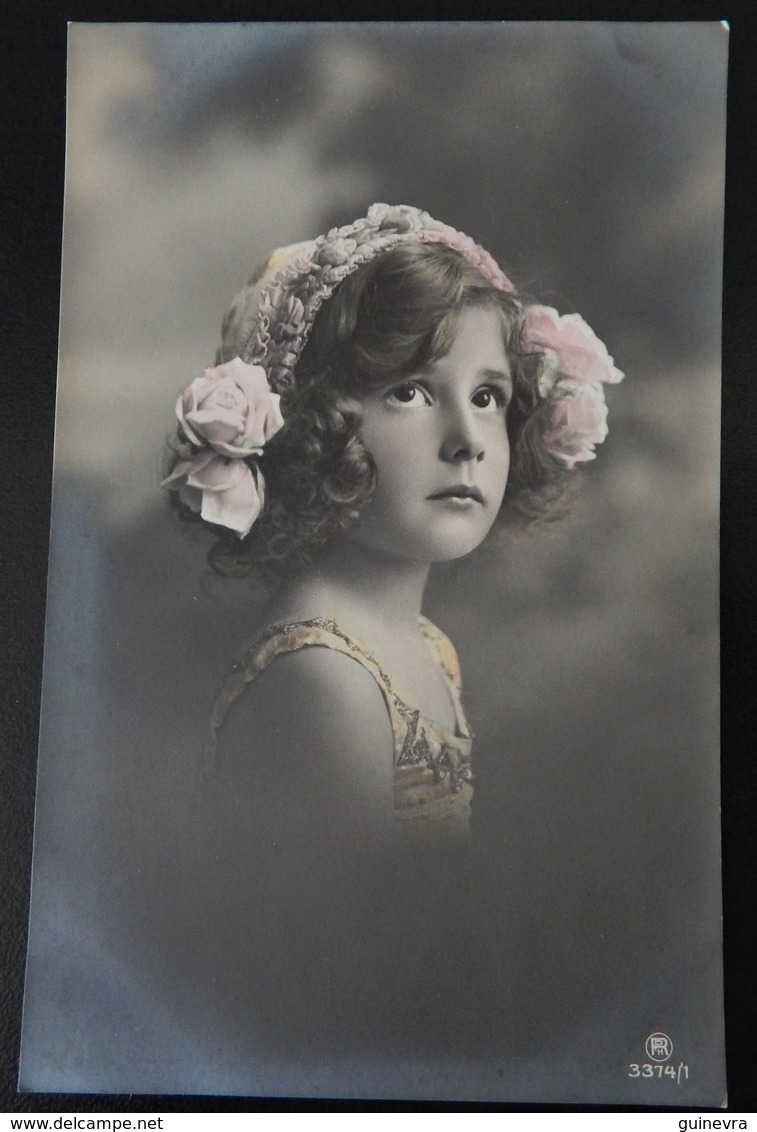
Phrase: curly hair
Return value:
(390, 318)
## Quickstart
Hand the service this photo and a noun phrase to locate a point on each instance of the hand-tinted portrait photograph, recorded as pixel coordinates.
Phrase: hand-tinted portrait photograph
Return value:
(379, 736)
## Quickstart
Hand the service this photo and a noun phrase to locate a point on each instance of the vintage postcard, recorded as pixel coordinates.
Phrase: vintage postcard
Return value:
(379, 738)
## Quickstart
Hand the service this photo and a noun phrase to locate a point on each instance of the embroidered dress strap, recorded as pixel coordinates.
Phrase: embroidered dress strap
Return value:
(277, 640)
(443, 652)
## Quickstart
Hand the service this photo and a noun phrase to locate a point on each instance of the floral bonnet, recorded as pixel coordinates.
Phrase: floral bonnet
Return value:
(227, 415)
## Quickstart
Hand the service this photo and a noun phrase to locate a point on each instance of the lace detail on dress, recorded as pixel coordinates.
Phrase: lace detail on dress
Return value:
(444, 760)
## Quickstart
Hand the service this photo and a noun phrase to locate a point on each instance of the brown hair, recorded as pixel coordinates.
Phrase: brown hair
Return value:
(390, 318)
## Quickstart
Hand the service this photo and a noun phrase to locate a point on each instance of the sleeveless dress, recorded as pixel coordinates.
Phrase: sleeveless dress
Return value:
(432, 766)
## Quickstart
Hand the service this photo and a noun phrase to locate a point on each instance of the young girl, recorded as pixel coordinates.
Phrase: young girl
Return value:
(382, 400)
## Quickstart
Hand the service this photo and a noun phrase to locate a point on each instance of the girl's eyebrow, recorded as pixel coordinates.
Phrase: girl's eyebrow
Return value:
(495, 376)
(498, 376)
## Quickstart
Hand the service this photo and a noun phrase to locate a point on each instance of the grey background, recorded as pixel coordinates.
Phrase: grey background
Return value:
(589, 159)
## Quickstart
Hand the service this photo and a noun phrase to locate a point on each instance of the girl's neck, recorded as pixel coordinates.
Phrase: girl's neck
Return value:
(376, 599)
(357, 585)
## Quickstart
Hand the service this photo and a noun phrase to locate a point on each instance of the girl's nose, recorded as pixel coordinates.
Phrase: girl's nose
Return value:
(463, 438)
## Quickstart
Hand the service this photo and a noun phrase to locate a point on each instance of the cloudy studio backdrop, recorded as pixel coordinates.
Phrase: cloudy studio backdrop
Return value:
(589, 159)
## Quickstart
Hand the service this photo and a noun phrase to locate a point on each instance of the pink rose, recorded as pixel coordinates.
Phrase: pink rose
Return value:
(228, 414)
(231, 409)
(576, 351)
(576, 421)
(226, 492)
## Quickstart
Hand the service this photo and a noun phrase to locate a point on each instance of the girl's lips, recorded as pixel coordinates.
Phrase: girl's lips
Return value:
(459, 491)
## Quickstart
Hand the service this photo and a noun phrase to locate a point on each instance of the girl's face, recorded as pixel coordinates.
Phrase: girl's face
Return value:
(439, 442)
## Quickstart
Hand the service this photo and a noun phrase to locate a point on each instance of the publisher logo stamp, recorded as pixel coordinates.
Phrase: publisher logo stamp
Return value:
(659, 1047)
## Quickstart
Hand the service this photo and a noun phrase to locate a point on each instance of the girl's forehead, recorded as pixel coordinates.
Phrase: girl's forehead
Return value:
(477, 340)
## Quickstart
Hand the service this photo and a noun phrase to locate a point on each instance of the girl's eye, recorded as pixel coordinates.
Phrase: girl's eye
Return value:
(408, 395)
(489, 398)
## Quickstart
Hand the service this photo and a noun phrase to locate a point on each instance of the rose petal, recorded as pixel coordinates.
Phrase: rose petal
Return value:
(216, 474)
(190, 435)
(191, 497)
(264, 420)
(216, 424)
(200, 388)
(237, 507)
(549, 373)
(274, 419)
(250, 379)
(184, 467)
(231, 409)
(576, 422)
(253, 384)
(238, 451)
(581, 355)
(227, 493)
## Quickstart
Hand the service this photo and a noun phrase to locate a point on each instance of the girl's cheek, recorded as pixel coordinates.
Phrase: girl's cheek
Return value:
(397, 437)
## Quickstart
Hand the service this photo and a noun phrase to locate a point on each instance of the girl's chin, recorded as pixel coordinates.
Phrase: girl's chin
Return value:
(422, 552)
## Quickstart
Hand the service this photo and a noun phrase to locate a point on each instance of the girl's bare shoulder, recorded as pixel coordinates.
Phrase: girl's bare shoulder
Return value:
(320, 688)
(313, 721)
